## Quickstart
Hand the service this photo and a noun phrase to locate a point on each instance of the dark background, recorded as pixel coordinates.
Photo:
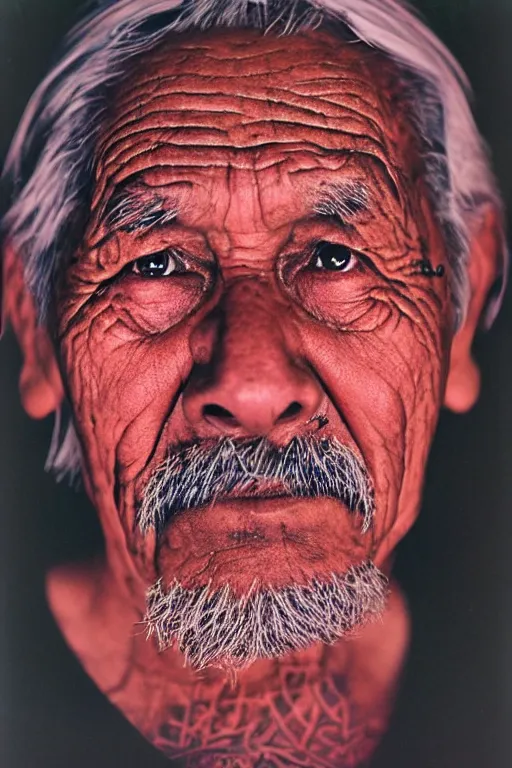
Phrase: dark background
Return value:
(455, 704)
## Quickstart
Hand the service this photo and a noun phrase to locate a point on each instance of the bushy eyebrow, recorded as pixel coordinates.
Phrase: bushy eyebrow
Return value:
(342, 201)
(137, 207)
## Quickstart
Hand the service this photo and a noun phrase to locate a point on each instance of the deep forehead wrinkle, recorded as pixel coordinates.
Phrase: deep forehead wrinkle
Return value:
(178, 66)
(297, 90)
(242, 122)
(162, 113)
(340, 88)
(193, 106)
(170, 89)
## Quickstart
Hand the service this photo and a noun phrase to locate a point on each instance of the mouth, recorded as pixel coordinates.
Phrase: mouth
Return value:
(260, 489)
(239, 507)
(199, 476)
(262, 498)
(258, 497)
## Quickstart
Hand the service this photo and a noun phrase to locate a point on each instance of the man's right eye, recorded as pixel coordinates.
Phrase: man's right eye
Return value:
(159, 264)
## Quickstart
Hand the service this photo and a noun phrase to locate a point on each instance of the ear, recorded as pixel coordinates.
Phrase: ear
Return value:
(463, 383)
(40, 381)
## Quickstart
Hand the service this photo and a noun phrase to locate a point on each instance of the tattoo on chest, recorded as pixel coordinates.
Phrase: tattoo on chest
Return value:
(307, 725)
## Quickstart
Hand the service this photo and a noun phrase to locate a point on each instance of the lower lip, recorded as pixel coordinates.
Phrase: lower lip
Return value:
(278, 540)
(266, 516)
(238, 512)
(260, 503)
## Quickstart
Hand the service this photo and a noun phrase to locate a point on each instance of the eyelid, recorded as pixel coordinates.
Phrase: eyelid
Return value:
(187, 264)
(188, 244)
(180, 267)
(301, 260)
(192, 262)
(174, 253)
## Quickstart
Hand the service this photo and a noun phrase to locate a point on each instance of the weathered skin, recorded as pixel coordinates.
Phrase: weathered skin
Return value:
(364, 347)
(241, 132)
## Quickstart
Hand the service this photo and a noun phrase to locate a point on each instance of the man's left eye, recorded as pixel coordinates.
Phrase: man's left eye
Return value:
(333, 257)
(156, 265)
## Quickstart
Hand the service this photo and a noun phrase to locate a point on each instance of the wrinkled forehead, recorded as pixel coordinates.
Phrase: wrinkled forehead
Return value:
(242, 56)
(247, 100)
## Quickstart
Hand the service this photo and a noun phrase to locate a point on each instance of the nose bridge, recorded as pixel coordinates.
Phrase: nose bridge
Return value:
(253, 332)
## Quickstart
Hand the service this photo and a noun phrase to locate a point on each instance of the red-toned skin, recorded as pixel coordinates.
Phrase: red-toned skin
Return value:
(241, 131)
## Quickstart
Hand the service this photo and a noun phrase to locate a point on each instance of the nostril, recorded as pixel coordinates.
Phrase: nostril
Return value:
(289, 413)
(211, 410)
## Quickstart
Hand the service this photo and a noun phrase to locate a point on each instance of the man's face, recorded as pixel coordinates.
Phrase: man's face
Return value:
(249, 278)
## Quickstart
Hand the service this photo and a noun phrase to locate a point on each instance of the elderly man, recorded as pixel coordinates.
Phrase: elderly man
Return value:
(248, 247)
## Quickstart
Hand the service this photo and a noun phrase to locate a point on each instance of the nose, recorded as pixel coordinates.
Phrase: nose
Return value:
(245, 381)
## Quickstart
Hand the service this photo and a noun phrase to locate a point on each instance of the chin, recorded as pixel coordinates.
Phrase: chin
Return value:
(271, 543)
(216, 626)
(244, 578)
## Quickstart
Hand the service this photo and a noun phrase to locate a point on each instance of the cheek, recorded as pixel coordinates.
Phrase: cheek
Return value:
(386, 388)
(344, 303)
(153, 306)
(123, 385)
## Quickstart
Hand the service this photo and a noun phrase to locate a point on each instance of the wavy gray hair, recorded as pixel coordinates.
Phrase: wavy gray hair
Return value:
(50, 164)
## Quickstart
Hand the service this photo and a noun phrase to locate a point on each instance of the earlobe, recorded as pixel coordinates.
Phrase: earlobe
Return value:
(463, 382)
(41, 386)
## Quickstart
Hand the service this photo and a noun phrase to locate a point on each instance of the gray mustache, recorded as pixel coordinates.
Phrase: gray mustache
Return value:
(196, 475)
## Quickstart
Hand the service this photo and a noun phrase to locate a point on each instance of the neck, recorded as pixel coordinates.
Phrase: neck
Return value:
(327, 706)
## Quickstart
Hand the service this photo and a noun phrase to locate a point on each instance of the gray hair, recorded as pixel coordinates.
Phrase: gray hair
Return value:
(49, 166)
(216, 628)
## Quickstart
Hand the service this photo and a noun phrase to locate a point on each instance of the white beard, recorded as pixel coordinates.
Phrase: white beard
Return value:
(217, 628)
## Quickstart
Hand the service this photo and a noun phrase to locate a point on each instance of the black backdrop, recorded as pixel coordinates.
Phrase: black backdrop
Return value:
(455, 704)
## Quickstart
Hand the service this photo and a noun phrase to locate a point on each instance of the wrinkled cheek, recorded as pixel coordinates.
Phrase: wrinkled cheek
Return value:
(422, 399)
(383, 439)
(122, 390)
(391, 397)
